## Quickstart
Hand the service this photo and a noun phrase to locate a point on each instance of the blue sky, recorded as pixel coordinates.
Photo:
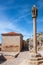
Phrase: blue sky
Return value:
(16, 16)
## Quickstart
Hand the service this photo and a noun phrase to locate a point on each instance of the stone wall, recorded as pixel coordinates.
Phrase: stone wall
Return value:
(11, 43)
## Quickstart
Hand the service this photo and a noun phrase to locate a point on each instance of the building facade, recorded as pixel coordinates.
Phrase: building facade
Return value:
(12, 42)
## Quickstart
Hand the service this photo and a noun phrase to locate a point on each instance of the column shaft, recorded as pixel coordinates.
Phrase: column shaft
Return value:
(34, 35)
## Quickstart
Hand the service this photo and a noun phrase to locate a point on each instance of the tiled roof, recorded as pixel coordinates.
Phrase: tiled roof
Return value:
(11, 33)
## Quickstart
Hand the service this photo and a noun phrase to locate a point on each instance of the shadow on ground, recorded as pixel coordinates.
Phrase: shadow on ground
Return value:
(2, 59)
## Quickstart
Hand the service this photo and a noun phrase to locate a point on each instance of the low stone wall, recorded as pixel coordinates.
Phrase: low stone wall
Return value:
(8, 55)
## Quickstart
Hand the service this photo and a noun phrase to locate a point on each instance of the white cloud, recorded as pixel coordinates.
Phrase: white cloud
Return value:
(6, 26)
(23, 16)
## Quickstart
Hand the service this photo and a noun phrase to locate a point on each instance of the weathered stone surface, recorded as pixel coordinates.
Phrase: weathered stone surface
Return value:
(33, 63)
(9, 55)
(22, 59)
(12, 43)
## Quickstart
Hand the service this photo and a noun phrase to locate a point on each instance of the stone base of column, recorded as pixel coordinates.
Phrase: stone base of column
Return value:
(35, 59)
(35, 55)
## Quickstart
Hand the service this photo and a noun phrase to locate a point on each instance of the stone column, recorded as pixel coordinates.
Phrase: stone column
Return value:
(35, 58)
(34, 16)
(34, 36)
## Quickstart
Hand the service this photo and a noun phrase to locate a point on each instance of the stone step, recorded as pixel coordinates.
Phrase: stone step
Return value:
(40, 58)
(40, 61)
(41, 64)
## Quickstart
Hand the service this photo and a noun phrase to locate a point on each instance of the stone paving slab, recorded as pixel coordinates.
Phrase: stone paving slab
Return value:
(22, 59)
(18, 61)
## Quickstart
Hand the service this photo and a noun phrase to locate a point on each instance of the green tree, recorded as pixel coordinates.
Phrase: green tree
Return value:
(27, 40)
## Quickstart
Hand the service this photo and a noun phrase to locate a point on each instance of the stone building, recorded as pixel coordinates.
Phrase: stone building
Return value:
(12, 42)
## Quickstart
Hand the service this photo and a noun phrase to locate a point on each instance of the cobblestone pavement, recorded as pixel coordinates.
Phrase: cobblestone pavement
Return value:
(13, 62)
(21, 57)
(17, 61)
